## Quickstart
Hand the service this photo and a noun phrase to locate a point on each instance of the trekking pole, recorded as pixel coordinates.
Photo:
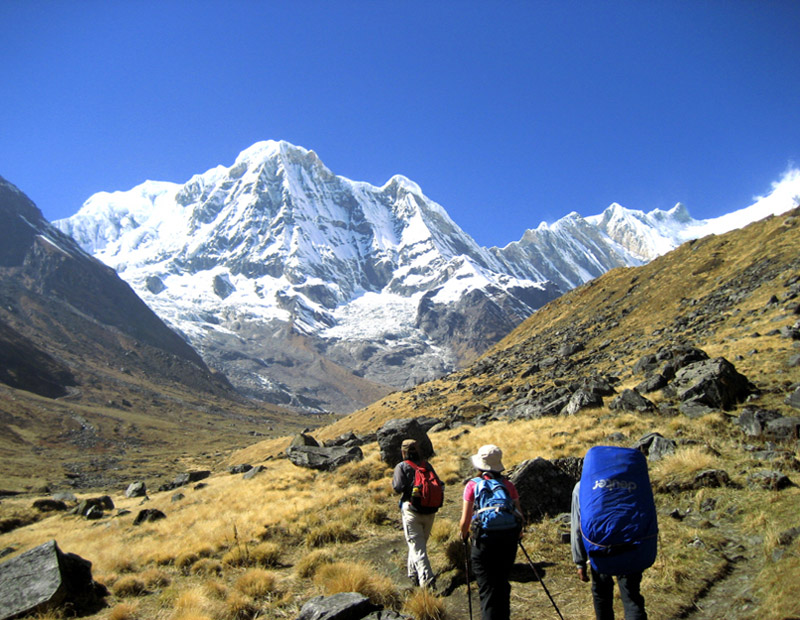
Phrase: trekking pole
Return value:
(539, 577)
(466, 564)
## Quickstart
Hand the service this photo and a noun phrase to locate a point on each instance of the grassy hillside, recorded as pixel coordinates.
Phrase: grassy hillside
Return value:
(235, 548)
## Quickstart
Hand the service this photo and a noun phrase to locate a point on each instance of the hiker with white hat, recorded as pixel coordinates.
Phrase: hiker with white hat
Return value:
(491, 518)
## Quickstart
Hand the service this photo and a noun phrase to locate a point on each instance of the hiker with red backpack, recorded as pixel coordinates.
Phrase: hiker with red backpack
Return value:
(421, 495)
(491, 517)
(614, 528)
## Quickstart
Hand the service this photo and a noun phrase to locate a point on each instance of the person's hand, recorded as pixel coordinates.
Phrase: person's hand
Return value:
(582, 574)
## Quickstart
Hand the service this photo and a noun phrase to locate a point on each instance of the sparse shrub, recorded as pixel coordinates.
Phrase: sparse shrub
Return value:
(456, 554)
(266, 554)
(124, 565)
(129, 585)
(185, 560)
(310, 563)
(237, 556)
(240, 606)
(330, 533)
(375, 514)
(123, 611)
(194, 604)
(357, 577)
(257, 582)
(361, 472)
(442, 530)
(155, 578)
(216, 589)
(424, 605)
(206, 566)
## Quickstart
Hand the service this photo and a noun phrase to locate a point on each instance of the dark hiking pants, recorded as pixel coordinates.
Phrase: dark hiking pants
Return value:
(492, 560)
(603, 596)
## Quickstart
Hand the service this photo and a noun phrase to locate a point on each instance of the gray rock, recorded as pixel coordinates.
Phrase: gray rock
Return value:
(341, 606)
(252, 473)
(304, 439)
(714, 383)
(49, 505)
(136, 489)
(582, 399)
(148, 515)
(771, 480)
(45, 578)
(793, 399)
(93, 506)
(783, 429)
(711, 478)
(387, 614)
(240, 469)
(631, 400)
(753, 420)
(323, 459)
(391, 435)
(652, 383)
(655, 446)
(545, 489)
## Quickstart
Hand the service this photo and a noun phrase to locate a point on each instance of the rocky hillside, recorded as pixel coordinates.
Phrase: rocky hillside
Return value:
(88, 373)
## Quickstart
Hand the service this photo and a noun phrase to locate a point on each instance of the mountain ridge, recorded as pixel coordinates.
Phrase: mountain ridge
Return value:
(277, 241)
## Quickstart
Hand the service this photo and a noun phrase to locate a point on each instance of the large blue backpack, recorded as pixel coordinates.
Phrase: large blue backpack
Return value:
(618, 513)
(494, 509)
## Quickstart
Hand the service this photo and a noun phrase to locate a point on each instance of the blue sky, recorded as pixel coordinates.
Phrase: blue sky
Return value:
(506, 113)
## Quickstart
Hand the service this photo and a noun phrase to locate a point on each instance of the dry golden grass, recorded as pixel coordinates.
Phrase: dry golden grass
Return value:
(124, 611)
(310, 562)
(358, 577)
(129, 585)
(424, 605)
(258, 582)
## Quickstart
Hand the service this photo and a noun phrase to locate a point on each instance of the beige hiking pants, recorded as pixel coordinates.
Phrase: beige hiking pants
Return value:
(417, 528)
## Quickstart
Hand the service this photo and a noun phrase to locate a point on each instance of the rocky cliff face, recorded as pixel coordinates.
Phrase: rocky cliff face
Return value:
(59, 305)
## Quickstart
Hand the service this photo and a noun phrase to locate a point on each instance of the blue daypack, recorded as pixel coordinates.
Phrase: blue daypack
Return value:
(494, 509)
(618, 514)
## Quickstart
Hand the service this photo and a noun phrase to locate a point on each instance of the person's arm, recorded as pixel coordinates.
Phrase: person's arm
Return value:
(399, 478)
(466, 520)
(576, 538)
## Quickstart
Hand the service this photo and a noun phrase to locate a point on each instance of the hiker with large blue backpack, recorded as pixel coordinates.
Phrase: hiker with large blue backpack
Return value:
(421, 495)
(614, 527)
(491, 518)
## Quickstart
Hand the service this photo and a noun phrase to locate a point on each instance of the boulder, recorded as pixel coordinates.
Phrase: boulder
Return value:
(631, 400)
(770, 480)
(49, 505)
(386, 614)
(184, 479)
(304, 439)
(783, 429)
(136, 489)
(148, 515)
(242, 468)
(793, 399)
(545, 489)
(753, 421)
(341, 606)
(714, 383)
(323, 459)
(93, 507)
(391, 435)
(655, 446)
(253, 472)
(45, 578)
(582, 399)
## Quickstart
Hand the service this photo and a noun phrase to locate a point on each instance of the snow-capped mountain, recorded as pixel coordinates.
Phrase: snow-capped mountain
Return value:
(310, 289)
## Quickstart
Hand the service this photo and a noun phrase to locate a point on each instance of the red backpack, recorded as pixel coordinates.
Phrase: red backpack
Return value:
(427, 493)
